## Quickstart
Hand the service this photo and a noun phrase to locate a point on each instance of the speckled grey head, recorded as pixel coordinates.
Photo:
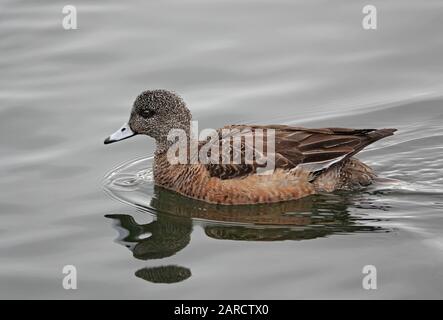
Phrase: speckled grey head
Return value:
(154, 113)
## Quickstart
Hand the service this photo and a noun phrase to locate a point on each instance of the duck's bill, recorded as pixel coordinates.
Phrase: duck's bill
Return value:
(123, 133)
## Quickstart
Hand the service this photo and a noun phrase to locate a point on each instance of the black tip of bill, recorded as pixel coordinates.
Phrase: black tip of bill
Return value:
(108, 140)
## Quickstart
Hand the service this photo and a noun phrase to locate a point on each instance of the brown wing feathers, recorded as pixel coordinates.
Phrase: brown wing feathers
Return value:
(296, 145)
(302, 145)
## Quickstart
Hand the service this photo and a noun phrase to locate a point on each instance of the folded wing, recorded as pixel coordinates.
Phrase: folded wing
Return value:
(313, 149)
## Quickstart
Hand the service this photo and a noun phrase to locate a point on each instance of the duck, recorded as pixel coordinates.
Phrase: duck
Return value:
(301, 162)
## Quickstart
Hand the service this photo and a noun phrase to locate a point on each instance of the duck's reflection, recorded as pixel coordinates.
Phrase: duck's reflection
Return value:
(164, 274)
(156, 240)
(307, 218)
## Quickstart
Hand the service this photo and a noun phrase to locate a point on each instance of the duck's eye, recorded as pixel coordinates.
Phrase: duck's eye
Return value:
(147, 113)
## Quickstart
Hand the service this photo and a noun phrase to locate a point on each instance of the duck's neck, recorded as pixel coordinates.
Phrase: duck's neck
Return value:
(162, 147)
(163, 143)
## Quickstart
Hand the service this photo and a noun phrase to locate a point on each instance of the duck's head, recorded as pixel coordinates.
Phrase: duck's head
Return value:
(154, 113)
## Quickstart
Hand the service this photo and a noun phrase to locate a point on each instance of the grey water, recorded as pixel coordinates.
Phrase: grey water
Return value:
(66, 199)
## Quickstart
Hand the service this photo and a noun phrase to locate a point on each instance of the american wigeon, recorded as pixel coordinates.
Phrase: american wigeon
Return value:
(305, 161)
